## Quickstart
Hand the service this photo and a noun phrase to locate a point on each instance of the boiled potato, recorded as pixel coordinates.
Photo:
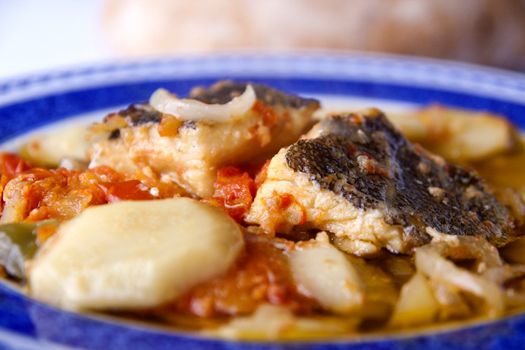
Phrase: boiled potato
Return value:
(325, 273)
(458, 135)
(416, 305)
(131, 255)
(49, 149)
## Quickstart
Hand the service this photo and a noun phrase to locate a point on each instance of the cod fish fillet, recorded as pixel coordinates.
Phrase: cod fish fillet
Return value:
(188, 152)
(357, 177)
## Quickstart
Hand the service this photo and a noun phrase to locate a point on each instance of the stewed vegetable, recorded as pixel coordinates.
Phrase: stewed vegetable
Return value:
(18, 243)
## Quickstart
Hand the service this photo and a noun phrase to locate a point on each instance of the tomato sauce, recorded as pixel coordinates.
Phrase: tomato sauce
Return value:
(62, 194)
(10, 165)
(234, 191)
(261, 275)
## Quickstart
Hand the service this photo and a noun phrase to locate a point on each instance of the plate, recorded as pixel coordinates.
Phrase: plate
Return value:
(40, 100)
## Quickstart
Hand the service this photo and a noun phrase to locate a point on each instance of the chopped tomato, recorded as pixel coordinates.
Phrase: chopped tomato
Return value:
(40, 194)
(268, 114)
(59, 194)
(11, 165)
(234, 191)
(261, 275)
(126, 190)
(105, 173)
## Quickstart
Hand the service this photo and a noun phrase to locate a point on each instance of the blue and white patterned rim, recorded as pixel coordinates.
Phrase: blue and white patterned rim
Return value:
(35, 100)
(459, 77)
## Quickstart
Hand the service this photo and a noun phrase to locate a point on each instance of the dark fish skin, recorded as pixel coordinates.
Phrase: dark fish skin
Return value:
(367, 161)
(221, 92)
(138, 114)
(135, 115)
(225, 90)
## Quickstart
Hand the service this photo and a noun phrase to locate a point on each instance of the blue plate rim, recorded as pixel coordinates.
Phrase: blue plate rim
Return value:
(423, 71)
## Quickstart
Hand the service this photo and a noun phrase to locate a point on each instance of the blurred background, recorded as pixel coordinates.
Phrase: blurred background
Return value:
(45, 34)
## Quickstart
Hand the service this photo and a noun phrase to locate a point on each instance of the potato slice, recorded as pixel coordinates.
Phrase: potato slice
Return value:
(131, 255)
(49, 149)
(326, 274)
(416, 305)
(458, 135)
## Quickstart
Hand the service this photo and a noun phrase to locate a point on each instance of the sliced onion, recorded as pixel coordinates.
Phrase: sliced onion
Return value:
(189, 109)
(452, 304)
(466, 247)
(441, 270)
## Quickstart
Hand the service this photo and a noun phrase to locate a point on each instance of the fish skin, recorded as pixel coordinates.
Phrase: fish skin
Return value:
(224, 91)
(364, 159)
(219, 93)
(138, 114)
